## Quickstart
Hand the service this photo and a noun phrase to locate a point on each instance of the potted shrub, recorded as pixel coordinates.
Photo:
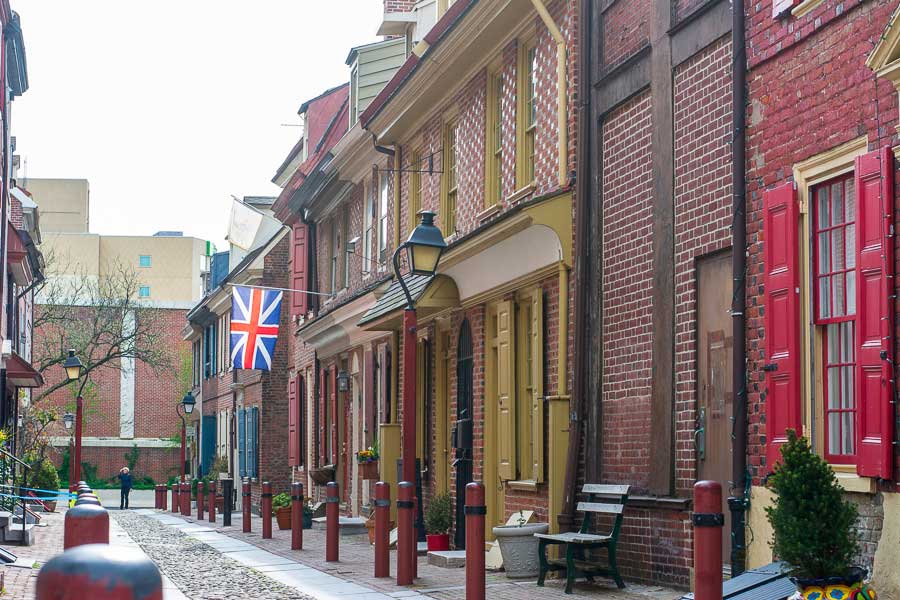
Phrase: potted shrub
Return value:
(307, 514)
(438, 515)
(813, 526)
(43, 476)
(370, 525)
(519, 547)
(367, 462)
(281, 508)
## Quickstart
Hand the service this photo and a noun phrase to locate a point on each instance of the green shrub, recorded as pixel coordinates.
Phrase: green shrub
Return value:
(438, 515)
(281, 500)
(814, 527)
(43, 476)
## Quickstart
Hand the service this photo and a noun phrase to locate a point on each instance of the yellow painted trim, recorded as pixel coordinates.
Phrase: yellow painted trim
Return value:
(887, 46)
(493, 496)
(557, 215)
(562, 337)
(421, 48)
(805, 7)
(395, 376)
(511, 286)
(561, 84)
(450, 121)
(441, 410)
(398, 162)
(528, 485)
(524, 45)
(492, 117)
(414, 185)
(815, 169)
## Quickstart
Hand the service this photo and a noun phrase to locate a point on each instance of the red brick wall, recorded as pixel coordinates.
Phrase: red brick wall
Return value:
(703, 198)
(809, 92)
(399, 5)
(628, 269)
(626, 28)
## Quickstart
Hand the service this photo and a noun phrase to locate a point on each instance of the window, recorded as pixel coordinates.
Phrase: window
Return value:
(383, 217)
(345, 235)
(494, 155)
(448, 218)
(145, 261)
(526, 118)
(248, 441)
(354, 94)
(144, 292)
(368, 230)
(333, 257)
(835, 293)
(415, 189)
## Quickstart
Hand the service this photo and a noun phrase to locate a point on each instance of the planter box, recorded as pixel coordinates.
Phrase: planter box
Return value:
(368, 470)
(322, 475)
(439, 542)
(519, 548)
(283, 518)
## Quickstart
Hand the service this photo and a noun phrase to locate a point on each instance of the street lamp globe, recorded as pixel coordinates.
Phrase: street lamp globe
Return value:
(188, 403)
(425, 246)
(74, 368)
(69, 421)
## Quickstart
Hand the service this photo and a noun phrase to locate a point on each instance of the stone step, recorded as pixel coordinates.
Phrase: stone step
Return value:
(5, 517)
(448, 559)
(14, 534)
(347, 525)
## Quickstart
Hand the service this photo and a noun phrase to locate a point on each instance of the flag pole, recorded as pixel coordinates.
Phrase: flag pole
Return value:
(279, 289)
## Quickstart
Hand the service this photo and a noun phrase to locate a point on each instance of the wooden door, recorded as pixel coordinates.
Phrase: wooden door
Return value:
(465, 364)
(715, 403)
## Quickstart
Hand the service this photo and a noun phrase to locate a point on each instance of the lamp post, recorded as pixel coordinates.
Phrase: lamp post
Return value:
(74, 371)
(69, 422)
(423, 251)
(185, 407)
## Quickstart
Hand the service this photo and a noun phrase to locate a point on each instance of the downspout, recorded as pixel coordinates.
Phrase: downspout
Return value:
(561, 86)
(582, 224)
(739, 498)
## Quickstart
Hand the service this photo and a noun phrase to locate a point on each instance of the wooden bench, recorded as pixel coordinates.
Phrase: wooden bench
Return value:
(602, 499)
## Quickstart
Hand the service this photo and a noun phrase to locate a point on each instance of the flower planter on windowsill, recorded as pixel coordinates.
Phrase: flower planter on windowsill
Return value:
(322, 475)
(368, 470)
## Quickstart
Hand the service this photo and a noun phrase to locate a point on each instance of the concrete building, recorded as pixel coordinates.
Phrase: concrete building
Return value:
(134, 404)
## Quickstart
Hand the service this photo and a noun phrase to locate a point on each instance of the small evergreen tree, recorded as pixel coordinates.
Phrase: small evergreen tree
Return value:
(814, 527)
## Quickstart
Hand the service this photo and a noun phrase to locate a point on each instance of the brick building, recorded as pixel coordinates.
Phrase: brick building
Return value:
(820, 288)
(242, 414)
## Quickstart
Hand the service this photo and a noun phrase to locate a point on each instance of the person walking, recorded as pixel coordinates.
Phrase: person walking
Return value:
(125, 480)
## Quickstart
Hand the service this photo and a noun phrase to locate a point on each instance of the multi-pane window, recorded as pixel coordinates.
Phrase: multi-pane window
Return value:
(384, 188)
(368, 230)
(345, 235)
(415, 188)
(835, 300)
(494, 186)
(145, 261)
(144, 291)
(333, 258)
(449, 217)
(530, 110)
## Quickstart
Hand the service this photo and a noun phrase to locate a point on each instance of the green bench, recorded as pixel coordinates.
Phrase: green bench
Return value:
(603, 500)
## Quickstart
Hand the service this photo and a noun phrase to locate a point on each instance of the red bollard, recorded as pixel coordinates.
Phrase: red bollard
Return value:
(332, 521)
(708, 522)
(406, 543)
(186, 499)
(85, 524)
(201, 496)
(297, 516)
(475, 515)
(265, 508)
(175, 506)
(163, 497)
(245, 506)
(382, 529)
(99, 571)
(156, 496)
(211, 507)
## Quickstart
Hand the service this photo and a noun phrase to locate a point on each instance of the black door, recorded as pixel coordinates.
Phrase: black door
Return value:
(462, 437)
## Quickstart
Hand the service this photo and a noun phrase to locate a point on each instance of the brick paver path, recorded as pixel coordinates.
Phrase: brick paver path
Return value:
(356, 565)
(20, 581)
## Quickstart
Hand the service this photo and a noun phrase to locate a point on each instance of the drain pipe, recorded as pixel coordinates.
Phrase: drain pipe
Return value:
(566, 519)
(739, 498)
(562, 89)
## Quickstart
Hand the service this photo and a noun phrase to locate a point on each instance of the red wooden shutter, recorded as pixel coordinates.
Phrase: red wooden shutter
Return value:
(299, 279)
(323, 407)
(335, 416)
(369, 398)
(782, 320)
(874, 312)
(293, 424)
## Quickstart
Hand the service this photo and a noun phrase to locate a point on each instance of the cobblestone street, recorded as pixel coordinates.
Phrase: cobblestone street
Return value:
(208, 561)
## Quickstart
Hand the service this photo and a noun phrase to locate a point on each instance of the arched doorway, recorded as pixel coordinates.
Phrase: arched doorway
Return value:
(462, 437)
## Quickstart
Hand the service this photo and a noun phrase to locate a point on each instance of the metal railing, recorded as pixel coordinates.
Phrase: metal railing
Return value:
(14, 473)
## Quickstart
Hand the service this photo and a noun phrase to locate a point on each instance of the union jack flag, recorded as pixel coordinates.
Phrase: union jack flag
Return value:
(255, 314)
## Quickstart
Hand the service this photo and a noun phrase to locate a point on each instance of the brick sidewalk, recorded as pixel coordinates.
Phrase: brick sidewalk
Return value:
(356, 565)
(20, 581)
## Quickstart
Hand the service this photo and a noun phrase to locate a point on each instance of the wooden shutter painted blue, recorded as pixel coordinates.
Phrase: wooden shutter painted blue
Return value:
(208, 447)
(242, 434)
(253, 447)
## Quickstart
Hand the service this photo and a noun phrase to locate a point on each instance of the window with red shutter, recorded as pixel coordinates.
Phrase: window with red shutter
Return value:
(782, 318)
(875, 318)
(335, 416)
(293, 424)
(299, 269)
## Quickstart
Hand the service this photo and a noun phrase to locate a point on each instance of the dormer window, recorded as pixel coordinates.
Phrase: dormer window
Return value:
(371, 67)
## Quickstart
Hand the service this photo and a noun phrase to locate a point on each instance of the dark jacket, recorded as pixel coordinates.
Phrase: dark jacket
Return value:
(125, 478)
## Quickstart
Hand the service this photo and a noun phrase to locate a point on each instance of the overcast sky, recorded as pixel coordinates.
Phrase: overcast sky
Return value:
(168, 107)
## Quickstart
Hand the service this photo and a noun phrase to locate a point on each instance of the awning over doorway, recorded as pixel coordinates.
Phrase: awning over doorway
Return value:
(20, 373)
(431, 294)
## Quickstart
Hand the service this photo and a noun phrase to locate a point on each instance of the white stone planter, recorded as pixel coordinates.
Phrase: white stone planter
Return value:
(519, 548)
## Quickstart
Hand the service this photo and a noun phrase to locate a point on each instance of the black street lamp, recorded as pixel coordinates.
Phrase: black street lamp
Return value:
(75, 371)
(183, 408)
(423, 251)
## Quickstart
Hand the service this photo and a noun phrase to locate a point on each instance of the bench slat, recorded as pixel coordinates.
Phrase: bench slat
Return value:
(573, 537)
(596, 507)
(600, 488)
